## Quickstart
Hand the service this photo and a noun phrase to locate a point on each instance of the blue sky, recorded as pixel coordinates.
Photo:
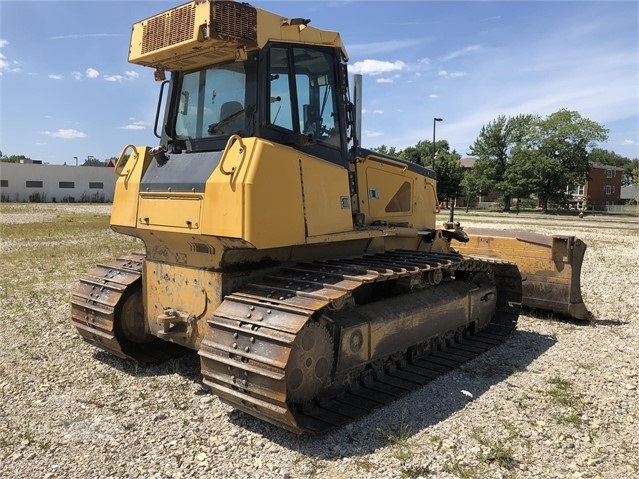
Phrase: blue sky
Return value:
(67, 90)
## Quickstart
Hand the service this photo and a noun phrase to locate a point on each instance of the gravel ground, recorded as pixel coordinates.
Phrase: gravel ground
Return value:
(557, 400)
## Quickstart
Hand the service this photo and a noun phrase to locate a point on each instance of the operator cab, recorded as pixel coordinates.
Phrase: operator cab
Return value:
(290, 94)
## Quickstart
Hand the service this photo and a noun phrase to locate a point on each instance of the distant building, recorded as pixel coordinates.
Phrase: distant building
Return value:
(602, 188)
(629, 193)
(56, 183)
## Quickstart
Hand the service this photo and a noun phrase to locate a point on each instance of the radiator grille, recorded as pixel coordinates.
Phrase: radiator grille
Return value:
(168, 29)
(234, 21)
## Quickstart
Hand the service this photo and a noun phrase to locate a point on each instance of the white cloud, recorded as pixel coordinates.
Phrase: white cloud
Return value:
(628, 142)
(447, 74)
(461, 52)
(69, 134)
(92, 73)
(76, 75)
(377, 67)
(128, 75)
(5, 65)
(378, 112)
(372, 134)
(136, 125)
(433, 96)
(56, 77)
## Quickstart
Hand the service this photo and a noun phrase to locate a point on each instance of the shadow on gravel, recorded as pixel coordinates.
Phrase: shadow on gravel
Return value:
(398, 421)
(433, 403)
(185, 362)
(611, 322)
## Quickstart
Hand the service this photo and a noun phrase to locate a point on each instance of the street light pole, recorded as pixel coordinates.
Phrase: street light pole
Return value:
(435, 120)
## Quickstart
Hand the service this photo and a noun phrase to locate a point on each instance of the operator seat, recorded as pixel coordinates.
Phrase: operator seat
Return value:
(227, 110)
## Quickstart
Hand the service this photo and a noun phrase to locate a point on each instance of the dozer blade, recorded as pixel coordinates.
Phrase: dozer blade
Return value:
(550, 266)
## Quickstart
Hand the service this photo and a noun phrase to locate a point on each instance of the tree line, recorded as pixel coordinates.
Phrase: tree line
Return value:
(522, 156)
(91, 161)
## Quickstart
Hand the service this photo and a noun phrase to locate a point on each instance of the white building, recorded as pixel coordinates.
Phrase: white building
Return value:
(56, 183)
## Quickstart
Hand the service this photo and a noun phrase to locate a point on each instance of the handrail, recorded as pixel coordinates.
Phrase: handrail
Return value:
(121, 158)
(388, 161)
(229, 144)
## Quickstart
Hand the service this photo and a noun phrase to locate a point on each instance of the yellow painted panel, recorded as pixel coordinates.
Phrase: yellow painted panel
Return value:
(182, 212)
(223, 209)
(255, 194)
(274, 214)
(382, 184)
(327, 201)
(127, 187)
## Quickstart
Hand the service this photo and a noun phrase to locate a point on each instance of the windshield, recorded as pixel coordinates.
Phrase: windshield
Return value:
(212, 102)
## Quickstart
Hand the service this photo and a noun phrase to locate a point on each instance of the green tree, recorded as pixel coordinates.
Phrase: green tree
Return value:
(411, 153)
(93, 162)
(15, 159)
(478, 180)
(384, 150)
(495, 143)
(525, 174)
(562, 142)
(450, 174)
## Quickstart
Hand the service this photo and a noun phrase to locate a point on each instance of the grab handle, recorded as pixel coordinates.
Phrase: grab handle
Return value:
(121, 159)
(229, 144)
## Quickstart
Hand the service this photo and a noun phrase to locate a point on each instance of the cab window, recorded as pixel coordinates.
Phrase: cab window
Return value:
(303, 96)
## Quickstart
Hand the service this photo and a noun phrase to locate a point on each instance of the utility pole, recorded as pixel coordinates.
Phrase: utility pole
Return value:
(435, 120)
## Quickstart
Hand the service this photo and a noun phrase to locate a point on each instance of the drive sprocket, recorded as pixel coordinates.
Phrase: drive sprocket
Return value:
(310, 364)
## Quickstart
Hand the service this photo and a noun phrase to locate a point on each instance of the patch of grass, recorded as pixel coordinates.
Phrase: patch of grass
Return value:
(399, 440)
(436, 439)
(498, 453)
(413, 472)
(573, 419)
(513, 431)
(561, 391)
(462, 471)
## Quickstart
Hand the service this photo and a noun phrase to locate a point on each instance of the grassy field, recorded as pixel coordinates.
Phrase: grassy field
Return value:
(47, 247)
(43, 252)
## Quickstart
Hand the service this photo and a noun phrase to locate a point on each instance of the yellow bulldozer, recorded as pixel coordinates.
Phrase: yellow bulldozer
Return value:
(306, 271)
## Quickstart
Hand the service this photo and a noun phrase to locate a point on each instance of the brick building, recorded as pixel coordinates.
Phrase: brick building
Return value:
(602, 188)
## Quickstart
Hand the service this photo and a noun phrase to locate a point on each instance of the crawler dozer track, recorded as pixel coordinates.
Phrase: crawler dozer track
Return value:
(289, 348)
(100, 297)
(322, 343)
